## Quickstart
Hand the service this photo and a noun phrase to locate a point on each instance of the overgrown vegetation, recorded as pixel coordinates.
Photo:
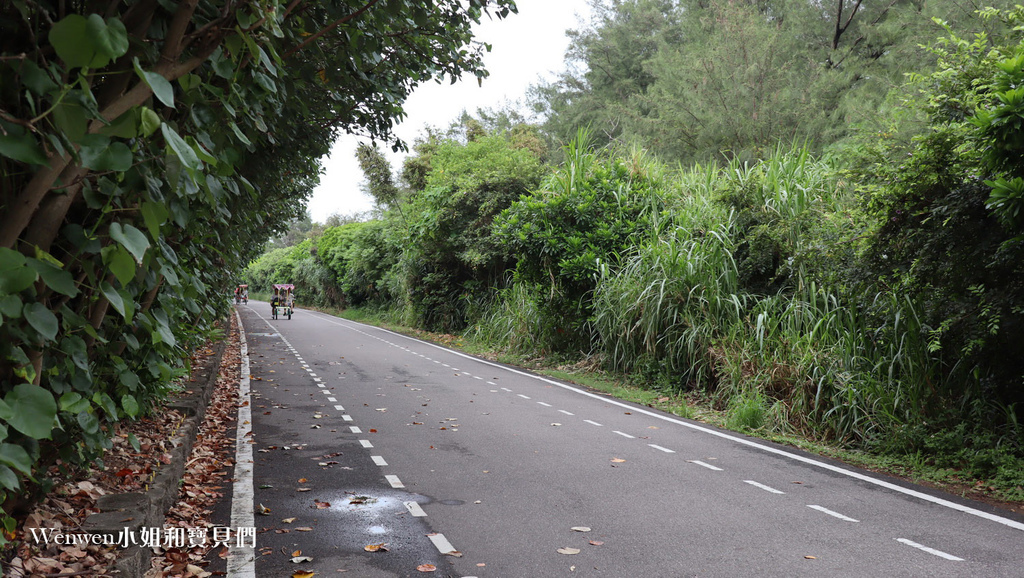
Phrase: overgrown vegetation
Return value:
(859, 289)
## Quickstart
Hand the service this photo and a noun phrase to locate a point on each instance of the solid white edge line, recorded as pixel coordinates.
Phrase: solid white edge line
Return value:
(763, 487)
(825, 510)
(379, 460)
(708, 466)
(365, 443)
(924, 548)
(666, 450)
(703, 429)
(241, 562)
(415, 509)
(441, 543)
(394, 481)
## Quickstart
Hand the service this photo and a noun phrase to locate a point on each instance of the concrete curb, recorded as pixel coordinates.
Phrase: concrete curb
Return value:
(128, 514)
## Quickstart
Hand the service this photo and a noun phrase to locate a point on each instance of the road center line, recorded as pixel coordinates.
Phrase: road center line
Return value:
(355, 429)
(666, 450)
(708, 466)
(506, 389)
(394, 481)
(566, 412)
(924, 548)
(544, 404)
(703, 429)
(331, 399)
(523, 396)
(592, 422)
(624, 434)
(379, 460)
(831, 513)
(346, 417)
(763, 487)
(339, 408)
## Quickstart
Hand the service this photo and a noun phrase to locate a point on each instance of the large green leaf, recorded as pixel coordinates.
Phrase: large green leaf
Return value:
(131, 238)
(180, 148)
(129, 405)
(113, 297)
(120, 263)
(162, 89)
(33, 411)
(73, 402)
(55, 278)
(8, 479)
(41, 319)
(109, 37)
(101, 153)
(15, 456)
(22, 148)
(88, 42)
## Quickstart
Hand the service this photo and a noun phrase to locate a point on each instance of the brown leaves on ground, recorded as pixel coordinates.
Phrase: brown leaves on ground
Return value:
(128, 469)
(426, 568)
(382, 547)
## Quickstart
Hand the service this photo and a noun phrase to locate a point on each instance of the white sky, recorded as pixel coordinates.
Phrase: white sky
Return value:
(525, 47)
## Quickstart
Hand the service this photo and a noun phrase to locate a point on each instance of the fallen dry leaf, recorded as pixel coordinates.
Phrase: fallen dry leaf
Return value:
(811, 557)
(303, 489)
(303, 480)
(618, 460)
(288, 520)
(263, 510)
(568, 550)
(297, 553)
(596, 543)
(321, 505)
(301, 559)
(304, 529)
(303, 574)
(382, 547)
(426, 568)
(580, 529)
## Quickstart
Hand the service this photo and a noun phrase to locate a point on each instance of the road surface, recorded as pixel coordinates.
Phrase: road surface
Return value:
(362, 437)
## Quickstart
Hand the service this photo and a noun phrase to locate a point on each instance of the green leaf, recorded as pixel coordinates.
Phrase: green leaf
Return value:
(109, 37)
(131, 238)
(55, 278)
(113, 297)
(22, 148)
(88, 422)
(71, 118)
(162, 89)
(180, 148)
(238, 133)
(33, 411)
(41, 319)
(36, 79)
(15, 456)
(121, 264)
(73, 402)
(100, 153)
(103, 400)
(129, 405)
(134, 441)
(149, 121)
(154, 214)
(8, 479)
(70, 39)
(10, 259)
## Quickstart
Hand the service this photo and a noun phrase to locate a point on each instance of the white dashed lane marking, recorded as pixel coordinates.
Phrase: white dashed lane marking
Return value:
(331, 399)
(346, 417)
(365, 443)
(763, 487)
(591, 422)
(544, 404)
(924, 548)
(708, 466)
(394, 481)
(831, 513)
(442, 543)
(355, 429)
(625, 435)
(666, 450)
(566, 412)
(379, 460)
(339, 408)
(523, 396)
(415, 509)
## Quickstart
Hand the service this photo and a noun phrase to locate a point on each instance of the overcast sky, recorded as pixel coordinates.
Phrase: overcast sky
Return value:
(526, 47)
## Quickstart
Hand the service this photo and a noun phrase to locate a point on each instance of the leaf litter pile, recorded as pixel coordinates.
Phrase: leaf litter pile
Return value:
(139, 449)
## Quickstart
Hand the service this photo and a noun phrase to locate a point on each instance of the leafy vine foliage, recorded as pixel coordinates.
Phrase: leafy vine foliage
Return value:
(148, 149)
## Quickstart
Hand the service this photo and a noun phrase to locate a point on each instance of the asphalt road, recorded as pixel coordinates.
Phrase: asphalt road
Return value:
(367, 437)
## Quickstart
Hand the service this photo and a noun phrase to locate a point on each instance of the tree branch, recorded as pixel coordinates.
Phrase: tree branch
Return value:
(330, 27)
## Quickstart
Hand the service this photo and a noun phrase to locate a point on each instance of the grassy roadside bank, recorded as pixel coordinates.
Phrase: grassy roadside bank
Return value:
(917, 468)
